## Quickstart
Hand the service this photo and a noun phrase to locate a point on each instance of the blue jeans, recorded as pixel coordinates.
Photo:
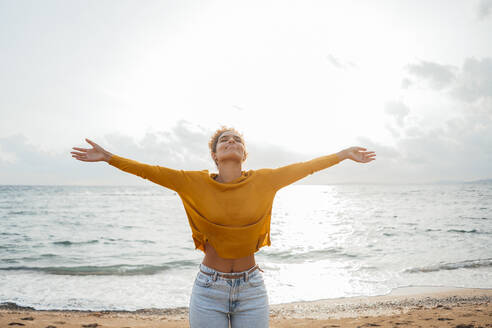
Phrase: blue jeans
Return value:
(242, 301)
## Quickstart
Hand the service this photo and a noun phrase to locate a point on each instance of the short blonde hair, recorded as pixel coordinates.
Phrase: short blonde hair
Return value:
(212, 144)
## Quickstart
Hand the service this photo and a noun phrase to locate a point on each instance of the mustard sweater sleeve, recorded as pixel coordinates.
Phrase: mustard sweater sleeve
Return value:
(286, 175)
(166, 177)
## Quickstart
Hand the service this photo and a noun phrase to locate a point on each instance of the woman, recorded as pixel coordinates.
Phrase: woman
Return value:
(229, 215)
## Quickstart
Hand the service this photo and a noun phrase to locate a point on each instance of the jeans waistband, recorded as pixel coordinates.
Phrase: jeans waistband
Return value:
(228, 275)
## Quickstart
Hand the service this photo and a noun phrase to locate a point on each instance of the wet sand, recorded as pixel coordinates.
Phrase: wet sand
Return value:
(404, 307)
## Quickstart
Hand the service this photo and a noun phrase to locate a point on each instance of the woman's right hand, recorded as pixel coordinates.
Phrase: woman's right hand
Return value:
(96, 154)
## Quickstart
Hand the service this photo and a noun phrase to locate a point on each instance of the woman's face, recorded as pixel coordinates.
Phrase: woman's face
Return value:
(230, 146)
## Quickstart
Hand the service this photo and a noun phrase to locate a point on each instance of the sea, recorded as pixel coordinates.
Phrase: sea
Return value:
(130, 247)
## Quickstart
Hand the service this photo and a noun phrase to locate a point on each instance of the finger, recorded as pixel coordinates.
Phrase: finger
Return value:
(77, 153)
(77, 148)
(91, 142)
(361, 148)
(81, 159)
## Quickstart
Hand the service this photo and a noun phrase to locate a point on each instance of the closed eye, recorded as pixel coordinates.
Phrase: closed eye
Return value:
(237, 138)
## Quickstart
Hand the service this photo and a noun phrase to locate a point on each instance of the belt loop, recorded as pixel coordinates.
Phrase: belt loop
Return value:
(246, 276)
(215, 275)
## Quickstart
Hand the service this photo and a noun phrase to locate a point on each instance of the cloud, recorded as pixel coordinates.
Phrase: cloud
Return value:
(398, 110)
(439, 76)
(394, 132)
(7, 157)
(470, 83)
(460, 150)
(184, 146)
(461, 147)
(339, 64)
(474, 81)
(29, 165)
(484, 9)
(406, 83)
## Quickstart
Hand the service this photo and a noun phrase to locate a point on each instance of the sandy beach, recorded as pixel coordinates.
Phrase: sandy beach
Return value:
(404, 307)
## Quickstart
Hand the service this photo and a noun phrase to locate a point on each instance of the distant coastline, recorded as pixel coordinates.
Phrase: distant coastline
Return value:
(481, 181)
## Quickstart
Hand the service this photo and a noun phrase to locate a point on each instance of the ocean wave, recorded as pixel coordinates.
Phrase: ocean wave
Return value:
(48, 255)
(68, 242)
(109, 241)
(23, 212)
(313, 255)
(132, 194)
(111, 270)
(467, 264)
(468, 231)
(473, 218)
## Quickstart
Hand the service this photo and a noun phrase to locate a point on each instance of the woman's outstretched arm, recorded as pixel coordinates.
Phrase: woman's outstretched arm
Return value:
(286, 175)
(164, 176)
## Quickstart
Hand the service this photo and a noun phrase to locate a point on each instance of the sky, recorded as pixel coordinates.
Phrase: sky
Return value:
(153, 80)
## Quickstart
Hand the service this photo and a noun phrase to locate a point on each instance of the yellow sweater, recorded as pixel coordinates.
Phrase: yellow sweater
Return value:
(233, 217)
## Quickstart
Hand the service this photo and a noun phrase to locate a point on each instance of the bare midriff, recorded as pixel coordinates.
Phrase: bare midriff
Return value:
(214, 261)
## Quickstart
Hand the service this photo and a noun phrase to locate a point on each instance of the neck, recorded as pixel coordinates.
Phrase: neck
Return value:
(228, 173)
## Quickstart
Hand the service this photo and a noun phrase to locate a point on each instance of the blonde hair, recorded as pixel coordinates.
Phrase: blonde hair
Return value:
(212, 144)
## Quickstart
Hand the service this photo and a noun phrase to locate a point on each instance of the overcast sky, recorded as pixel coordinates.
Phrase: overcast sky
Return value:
(152, 81)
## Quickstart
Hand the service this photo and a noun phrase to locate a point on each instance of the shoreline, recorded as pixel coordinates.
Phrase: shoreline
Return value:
(399, 300)
(411, 303)
(403, 293)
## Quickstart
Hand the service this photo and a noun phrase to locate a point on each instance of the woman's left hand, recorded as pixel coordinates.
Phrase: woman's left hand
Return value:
(359, 154)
